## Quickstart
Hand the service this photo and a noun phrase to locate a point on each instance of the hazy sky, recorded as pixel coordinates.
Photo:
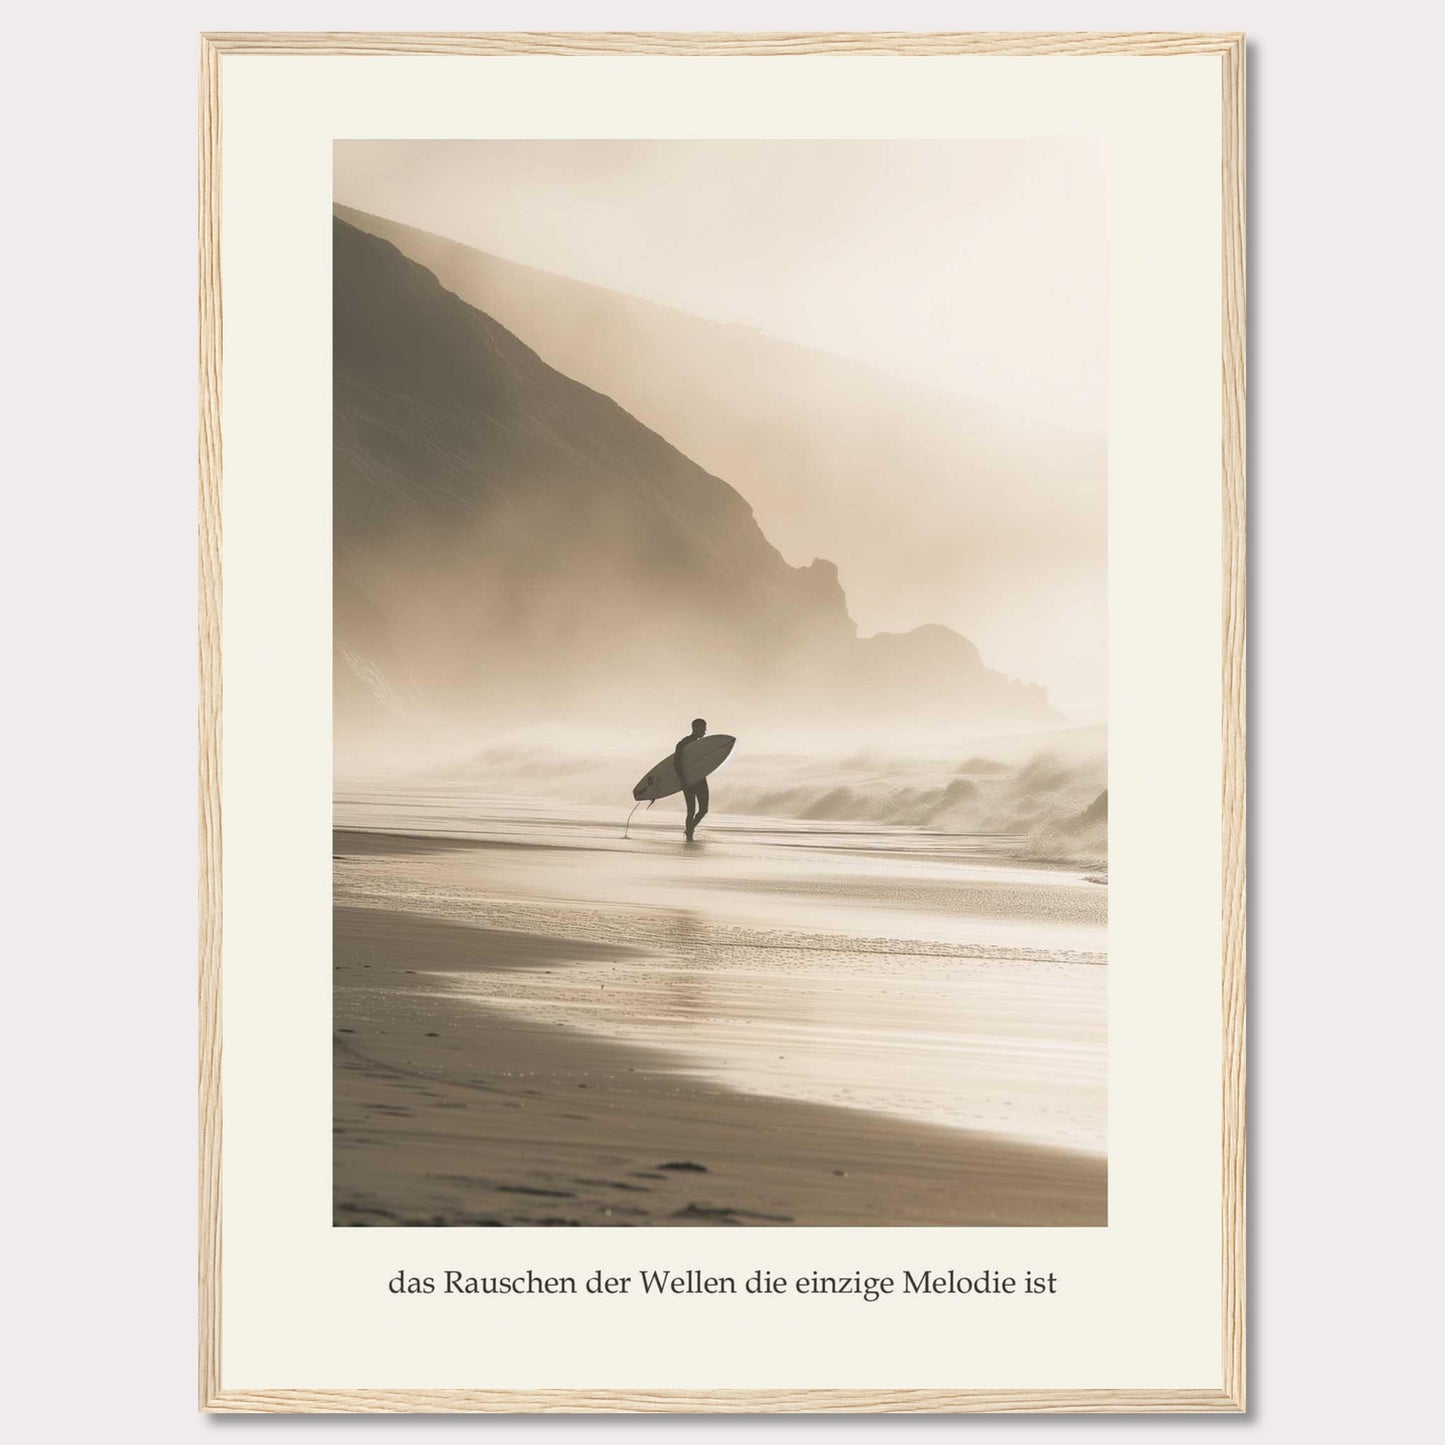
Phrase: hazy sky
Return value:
(973, 266)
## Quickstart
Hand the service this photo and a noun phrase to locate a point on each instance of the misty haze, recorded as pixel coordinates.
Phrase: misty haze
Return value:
(640, 448)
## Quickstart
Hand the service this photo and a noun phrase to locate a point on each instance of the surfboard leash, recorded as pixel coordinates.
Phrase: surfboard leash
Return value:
(635, 807)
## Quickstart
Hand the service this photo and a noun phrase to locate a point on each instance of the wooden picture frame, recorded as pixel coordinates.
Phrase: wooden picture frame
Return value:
(215, 49)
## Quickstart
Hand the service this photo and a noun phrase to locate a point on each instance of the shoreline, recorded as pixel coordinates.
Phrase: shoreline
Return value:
(450, 1110)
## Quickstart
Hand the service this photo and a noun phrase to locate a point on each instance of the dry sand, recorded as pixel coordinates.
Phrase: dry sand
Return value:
(539, 1023)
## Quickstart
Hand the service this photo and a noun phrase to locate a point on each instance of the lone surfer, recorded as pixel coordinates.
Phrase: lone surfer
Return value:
(705, 753)
(695, 794)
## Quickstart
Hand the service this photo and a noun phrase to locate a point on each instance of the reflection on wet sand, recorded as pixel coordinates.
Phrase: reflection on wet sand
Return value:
(865, 1027)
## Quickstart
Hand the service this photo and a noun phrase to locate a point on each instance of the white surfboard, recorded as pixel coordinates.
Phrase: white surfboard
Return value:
(699, 758)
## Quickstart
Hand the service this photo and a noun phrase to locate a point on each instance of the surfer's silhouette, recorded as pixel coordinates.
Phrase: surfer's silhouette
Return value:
(694, 794)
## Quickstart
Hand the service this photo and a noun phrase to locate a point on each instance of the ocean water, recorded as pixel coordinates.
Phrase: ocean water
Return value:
(925, 975)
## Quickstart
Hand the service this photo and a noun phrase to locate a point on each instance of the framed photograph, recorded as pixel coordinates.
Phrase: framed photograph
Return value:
(723, 845)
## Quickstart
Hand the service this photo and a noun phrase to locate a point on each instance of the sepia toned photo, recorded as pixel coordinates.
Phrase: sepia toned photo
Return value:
(720, 683)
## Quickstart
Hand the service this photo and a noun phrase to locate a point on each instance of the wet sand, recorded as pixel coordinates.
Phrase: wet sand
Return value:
(538, 1022)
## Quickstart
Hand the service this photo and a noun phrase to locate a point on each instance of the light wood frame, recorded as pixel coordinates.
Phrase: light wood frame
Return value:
(1231, 1397)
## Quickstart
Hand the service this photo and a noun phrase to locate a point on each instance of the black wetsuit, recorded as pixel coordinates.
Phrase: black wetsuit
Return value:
(695, 794)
